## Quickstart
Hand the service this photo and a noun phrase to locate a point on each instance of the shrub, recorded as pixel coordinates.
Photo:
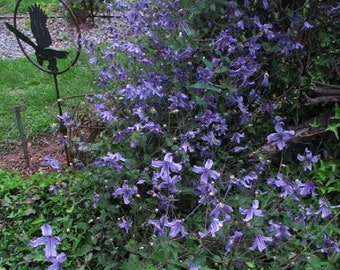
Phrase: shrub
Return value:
(84, 9)
(203, 163)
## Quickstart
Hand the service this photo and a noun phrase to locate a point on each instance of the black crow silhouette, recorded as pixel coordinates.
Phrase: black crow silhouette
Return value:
(42, 37)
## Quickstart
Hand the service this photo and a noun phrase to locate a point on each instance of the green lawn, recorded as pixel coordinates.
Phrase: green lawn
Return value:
(8, 6)
(21, 83)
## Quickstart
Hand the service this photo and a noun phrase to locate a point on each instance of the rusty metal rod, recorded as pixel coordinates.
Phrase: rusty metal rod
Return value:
(17, 110)
(62, 128)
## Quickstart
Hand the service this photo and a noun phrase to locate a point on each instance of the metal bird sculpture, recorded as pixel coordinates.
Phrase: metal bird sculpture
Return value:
(42, 37)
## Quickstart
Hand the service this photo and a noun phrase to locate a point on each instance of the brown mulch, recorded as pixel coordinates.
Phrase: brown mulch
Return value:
(38, 148)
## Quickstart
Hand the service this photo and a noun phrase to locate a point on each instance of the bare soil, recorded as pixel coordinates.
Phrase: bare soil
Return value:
(38, 148)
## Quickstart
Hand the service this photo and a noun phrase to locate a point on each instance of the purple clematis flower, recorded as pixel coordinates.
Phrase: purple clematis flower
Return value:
(231, 240)
(307, 188)
(176, 227)
(204, 74)
(205, 172)
(279, 230)
(325, 209)
(57, 261)
(307, 25)
(125, 191)
(53, 163)
(170, 183)
(48, 240)
(260, 242)
(107, 116)
(252, 46)
(178, 101)
(66, 120)
(186, 147)
(265, 4)
(166, 166)
(126, 225)
(265, 80)
(329, 245)
(53, 189)
(96, 199)
(206, 119)
(221, 127)
(237, 137)
(214, 227)
(207, 193)
(264, 28)
(308, 159)
(159, 225)
(191, 266)
(281, 136)
(210, 139)
(222, 209)
(110, 160)
(224, 41)
(252, 211)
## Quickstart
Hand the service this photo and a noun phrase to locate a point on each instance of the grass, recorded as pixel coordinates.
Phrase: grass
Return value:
(8, 6)
(21, 83)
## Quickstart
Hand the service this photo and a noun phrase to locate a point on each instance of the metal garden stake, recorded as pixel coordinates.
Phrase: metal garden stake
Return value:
(17, 110)
(43, 52)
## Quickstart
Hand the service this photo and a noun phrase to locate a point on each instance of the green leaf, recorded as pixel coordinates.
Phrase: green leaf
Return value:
(251, 265)
(190, 32)
(6, 202)
(29, 211)
(337, 112)
(89, 257)
(334, 128)
(39, 220)
(82, 225)
(222, 69)
(160, 256)
(205, 87)
(132, 263)
(213, 88)
(84, 250)
(199, 101)
(217, 259)
(316, 263)
(70, 210)
(314, 124)
(208, 63)
(198, 86)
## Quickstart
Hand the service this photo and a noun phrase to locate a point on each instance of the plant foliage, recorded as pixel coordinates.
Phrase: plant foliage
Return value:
(203, 163)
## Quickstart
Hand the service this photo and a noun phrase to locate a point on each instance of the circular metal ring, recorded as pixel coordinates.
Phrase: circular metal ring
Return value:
(74, 60)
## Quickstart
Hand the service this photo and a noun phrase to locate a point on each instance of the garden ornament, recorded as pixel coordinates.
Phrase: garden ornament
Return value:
(42, 37)
(43, 52)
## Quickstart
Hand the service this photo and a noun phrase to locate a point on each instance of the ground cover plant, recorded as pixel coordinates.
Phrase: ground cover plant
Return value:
(220, 148)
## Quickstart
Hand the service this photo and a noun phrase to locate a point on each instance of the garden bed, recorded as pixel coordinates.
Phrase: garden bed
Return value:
(38, 148)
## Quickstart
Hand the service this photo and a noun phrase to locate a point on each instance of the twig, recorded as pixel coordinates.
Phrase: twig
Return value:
(321, 100)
